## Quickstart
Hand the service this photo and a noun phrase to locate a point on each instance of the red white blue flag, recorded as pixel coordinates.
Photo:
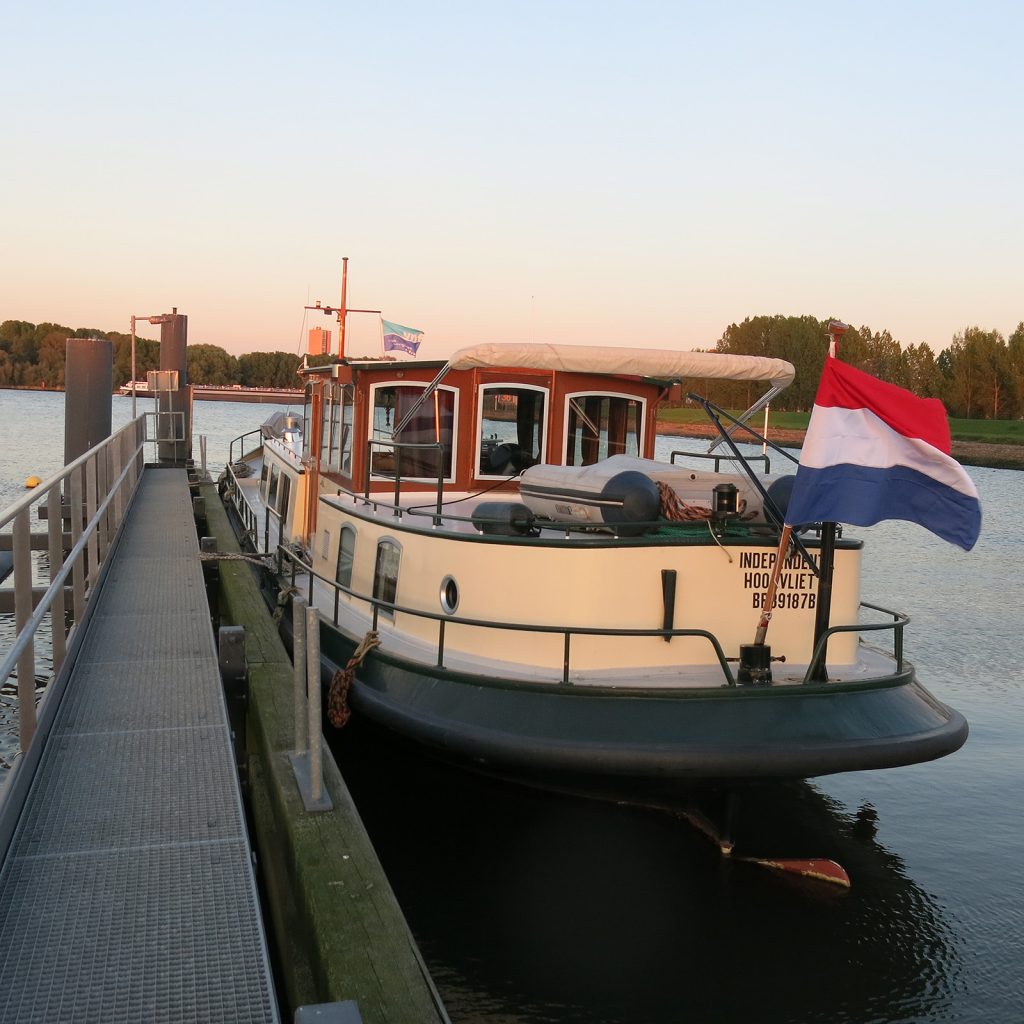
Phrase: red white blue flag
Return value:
(874, 451)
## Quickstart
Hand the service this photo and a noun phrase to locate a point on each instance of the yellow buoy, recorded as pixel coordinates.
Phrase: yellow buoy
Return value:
(33, 481)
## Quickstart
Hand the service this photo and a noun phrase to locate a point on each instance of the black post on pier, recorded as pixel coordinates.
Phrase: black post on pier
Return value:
(88, 391)
(176, 400)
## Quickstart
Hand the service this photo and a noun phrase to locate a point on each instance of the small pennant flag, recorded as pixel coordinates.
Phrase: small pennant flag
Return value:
(400, 339)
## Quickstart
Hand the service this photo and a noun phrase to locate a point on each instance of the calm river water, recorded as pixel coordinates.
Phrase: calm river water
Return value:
(532, 908)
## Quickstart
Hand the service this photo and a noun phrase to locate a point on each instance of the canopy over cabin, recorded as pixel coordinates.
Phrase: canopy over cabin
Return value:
(492, 410)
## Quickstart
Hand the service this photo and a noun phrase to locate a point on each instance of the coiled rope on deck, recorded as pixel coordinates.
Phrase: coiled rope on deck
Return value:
(338, 711)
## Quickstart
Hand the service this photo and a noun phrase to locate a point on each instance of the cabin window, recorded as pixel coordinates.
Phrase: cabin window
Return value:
(598, 426)
(385, 575)
(433, 424)
(336, 450)
(511, 428)
(329, 431)
(264, 473)
(325, 543)
(346, 554)
(306, 417)
(285, 494)
(344, 449)
(275, 477)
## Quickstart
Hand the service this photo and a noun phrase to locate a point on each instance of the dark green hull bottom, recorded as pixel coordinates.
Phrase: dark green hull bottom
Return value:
(575, 737)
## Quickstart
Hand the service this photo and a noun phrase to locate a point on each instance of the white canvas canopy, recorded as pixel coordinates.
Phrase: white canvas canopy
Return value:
(641, 362)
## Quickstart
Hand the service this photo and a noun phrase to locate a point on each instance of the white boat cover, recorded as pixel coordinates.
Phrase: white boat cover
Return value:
(640, 362)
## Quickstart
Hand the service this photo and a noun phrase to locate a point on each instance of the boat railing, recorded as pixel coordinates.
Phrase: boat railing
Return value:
(718, 459)
(83, 505)
(399, 448)
(897, 626)
(299, 565)
(238, 450)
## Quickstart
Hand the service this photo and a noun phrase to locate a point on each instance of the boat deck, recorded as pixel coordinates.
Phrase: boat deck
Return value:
(127, 891)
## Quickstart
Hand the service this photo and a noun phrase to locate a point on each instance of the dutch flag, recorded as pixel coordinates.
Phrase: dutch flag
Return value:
(874, 451)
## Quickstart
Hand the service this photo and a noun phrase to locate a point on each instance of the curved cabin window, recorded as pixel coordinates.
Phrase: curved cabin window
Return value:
(346, 554)
(511, 429)
(385, 575)
(432, 424)
(600, 425)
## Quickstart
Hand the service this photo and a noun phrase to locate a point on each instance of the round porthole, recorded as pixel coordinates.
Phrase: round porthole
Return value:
(449, 595)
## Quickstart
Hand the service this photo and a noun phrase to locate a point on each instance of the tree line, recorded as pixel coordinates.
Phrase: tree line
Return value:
(979, 376)
(33, 355)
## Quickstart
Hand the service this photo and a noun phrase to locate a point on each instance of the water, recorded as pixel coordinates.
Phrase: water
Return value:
(532, 909)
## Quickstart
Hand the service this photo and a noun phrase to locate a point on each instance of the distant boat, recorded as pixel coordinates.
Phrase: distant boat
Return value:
(141, 388)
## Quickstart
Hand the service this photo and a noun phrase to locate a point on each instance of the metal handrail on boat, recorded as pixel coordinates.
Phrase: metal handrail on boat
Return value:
(897, 625)
(717, 459)
(283, 553)
(99, 485)
(240, 441)
(444, 619)
(398, 447)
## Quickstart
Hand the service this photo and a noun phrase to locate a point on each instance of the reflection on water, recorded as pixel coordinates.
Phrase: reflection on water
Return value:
(534, 907)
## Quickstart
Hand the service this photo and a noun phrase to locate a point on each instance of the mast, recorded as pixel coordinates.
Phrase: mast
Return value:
(342, 309)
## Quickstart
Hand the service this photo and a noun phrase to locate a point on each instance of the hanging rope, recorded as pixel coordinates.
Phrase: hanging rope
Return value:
(338, 711)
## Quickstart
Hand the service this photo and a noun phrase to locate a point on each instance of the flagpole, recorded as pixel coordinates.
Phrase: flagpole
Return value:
(342, 311)
(773, 582)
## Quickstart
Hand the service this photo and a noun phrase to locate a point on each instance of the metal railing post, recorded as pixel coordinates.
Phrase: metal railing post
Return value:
(22, 543)
(92, 546)
(55, 531)
(78, 570)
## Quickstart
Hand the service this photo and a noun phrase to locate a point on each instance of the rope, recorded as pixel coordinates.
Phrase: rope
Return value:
(338, 711)
(228, 556)
(672, 507)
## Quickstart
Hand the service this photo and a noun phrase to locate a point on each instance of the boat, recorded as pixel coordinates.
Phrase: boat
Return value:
(508, 578)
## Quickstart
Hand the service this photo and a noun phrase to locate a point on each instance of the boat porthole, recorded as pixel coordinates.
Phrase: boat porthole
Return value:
(449, 595)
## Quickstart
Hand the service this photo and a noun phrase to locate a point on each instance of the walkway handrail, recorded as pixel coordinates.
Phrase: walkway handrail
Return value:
(105, 477)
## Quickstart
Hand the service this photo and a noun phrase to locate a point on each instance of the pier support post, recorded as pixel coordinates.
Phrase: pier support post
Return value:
(307, 758)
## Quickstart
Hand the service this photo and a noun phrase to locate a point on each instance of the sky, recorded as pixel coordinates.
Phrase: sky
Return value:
(638, 174)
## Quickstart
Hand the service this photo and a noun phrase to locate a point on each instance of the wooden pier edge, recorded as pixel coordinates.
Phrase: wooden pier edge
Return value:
(337, 927)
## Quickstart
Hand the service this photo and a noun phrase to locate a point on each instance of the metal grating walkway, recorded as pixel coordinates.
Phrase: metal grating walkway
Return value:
(128, 892)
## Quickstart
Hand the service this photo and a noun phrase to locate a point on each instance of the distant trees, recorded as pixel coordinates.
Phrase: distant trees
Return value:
(269, 370)
(33, 355)
(980, 375)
